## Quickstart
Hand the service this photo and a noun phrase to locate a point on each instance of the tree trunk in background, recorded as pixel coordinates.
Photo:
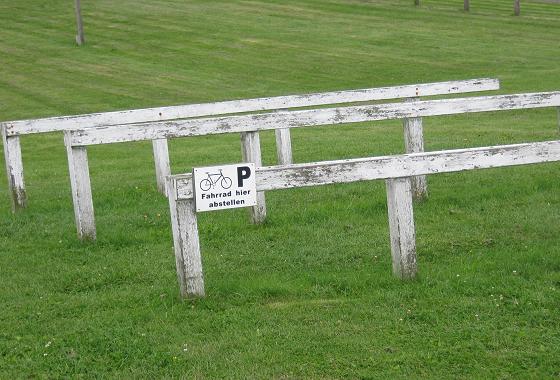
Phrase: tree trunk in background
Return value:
(80, 36)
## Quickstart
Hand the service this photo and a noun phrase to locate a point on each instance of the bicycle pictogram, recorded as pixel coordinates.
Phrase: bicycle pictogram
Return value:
(213, 179)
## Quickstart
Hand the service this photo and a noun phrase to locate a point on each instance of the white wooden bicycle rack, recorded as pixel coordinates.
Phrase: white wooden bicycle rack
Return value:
(397, 171)
(249, 126)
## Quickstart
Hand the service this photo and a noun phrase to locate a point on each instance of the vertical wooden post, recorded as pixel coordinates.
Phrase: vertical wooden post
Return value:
(516, 7)
(283, 146)
(81, 190)
(14, 170)
(466, 5)
(414, 143)
(80, 39)
(401, 227)
(251, 151)
(161, 160)
(186, 243)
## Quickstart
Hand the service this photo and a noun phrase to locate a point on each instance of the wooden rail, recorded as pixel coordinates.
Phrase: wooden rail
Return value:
(396, 170)
(309, 118)
(147, 115)
(12, 130)
(249, 125)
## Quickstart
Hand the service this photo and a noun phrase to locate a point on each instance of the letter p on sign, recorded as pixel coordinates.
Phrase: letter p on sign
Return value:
(243, 173)
(223, 187)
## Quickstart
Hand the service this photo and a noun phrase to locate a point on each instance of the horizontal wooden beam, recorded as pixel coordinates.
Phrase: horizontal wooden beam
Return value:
(307, 118)
(63, 123)
(386, 167)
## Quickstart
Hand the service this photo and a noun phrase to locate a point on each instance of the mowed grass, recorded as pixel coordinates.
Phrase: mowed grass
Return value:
(310, 293)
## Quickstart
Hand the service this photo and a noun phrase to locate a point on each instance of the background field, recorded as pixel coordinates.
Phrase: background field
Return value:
(309, 294)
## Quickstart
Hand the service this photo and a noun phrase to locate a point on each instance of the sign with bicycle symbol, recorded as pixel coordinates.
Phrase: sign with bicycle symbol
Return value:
(224, 187)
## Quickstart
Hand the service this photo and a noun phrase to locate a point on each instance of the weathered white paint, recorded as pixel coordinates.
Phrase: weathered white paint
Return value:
(283, 146)
(161, 154)
(81, 191)
(401, 227)
(251, 152)
(187, 246)
(161, 160)
(16, 128)
(385, 167)
(314, 117)
(414, 143)
(14, 170)
(394, 169)
(63, 123)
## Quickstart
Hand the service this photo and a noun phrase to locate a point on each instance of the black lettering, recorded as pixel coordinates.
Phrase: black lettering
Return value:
(243, 172)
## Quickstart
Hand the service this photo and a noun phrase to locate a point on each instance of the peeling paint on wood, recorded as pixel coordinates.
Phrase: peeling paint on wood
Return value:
(251, 152)
(186, 243)
(396, 170)
(414, 143)
(308, 118)
(96, 120)
(81, 192)
(385, 167)
(161, 160)
(401, 228)
(63, 123)
(252, 145)
(283, 146)
(14, 170)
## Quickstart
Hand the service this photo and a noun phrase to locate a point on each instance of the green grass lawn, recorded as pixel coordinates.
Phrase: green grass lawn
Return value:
(310, 293)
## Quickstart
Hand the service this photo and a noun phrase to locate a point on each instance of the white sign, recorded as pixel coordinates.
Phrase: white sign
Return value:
(223, 187)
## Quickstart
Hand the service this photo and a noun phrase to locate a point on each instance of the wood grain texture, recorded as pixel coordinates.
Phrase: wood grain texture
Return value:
(161, 161)
(414, 143)
(308, 118)
(401, 228)
(397, 166)
(186, 245)
(250, 139)
(14, 170)
(63, 123)
(251, 152)
(96, 120)
(81, 192)
(283, 146)
(396, 170)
